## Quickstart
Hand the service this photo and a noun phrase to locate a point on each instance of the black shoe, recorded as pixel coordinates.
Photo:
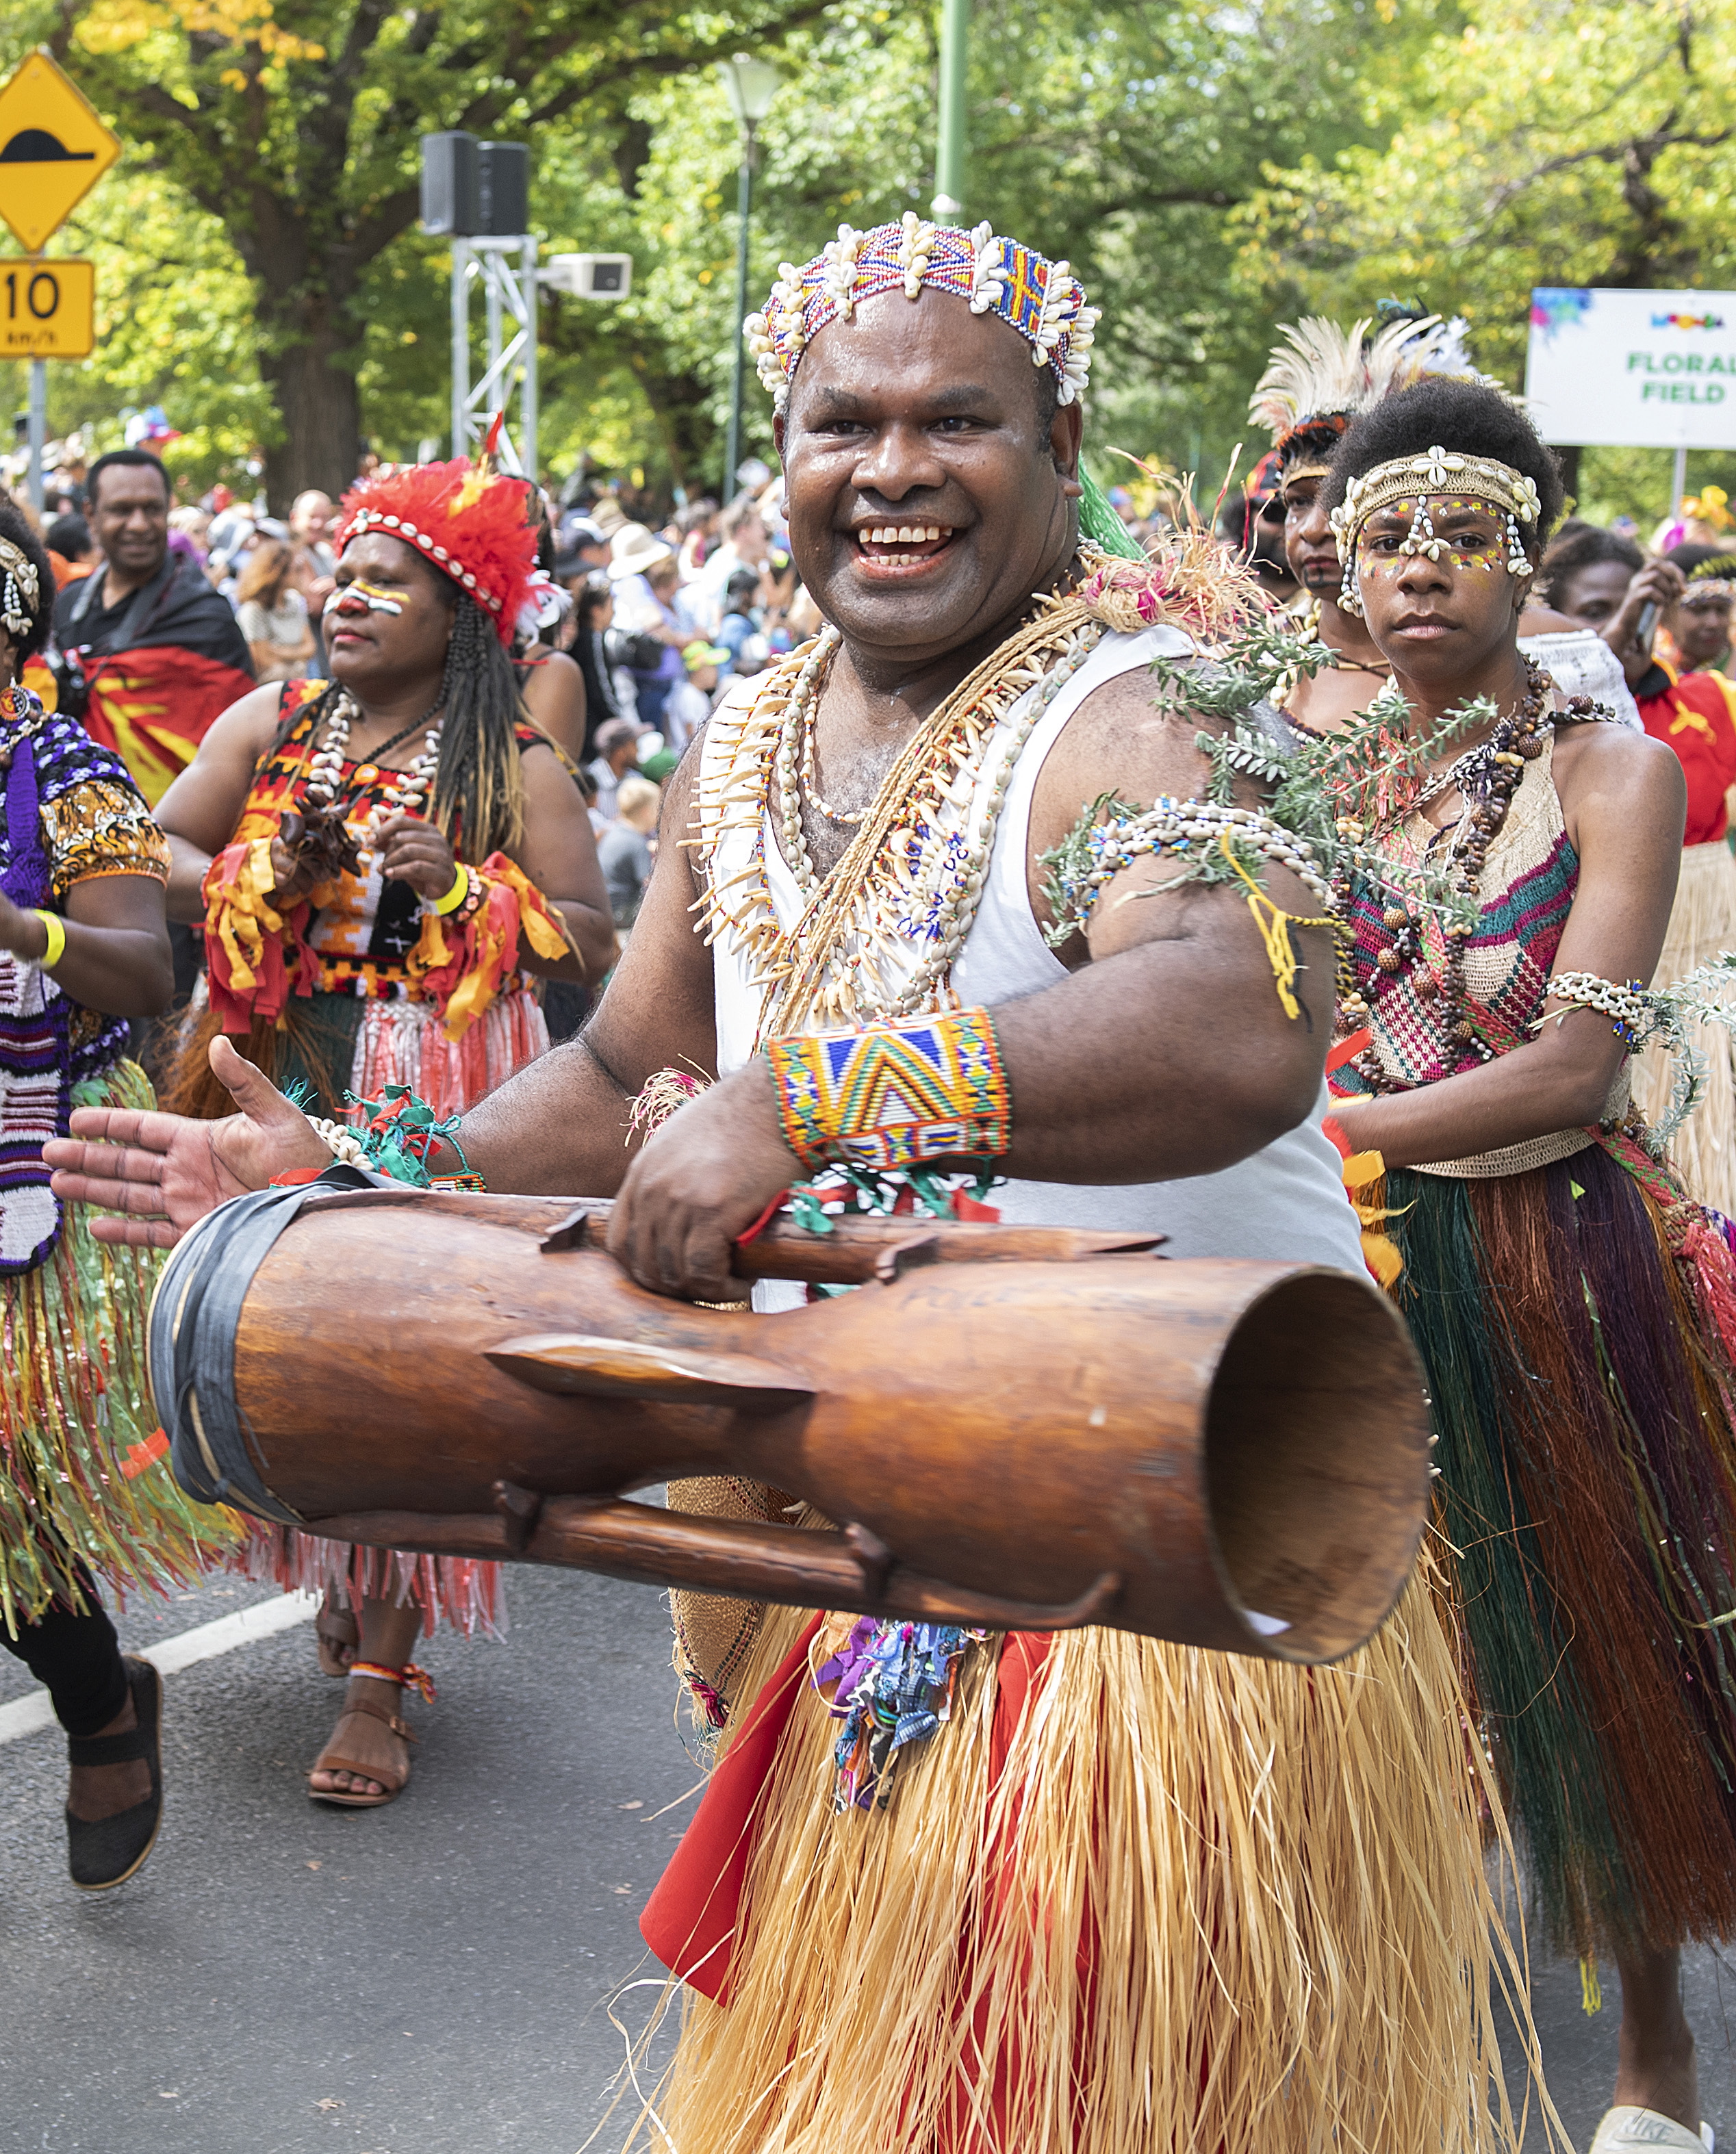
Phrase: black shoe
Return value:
(107, 1852)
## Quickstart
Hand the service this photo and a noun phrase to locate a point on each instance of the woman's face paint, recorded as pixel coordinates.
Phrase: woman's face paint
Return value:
(358, 595)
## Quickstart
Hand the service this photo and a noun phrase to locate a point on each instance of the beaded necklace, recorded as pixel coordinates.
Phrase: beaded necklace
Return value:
(1488, 775)
(913, 875)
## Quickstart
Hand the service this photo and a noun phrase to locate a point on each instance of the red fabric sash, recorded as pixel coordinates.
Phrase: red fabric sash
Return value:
(689, 1920)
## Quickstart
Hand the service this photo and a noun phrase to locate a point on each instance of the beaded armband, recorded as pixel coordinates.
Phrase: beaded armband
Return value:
(395, 1138)
(1211, 841)
(1633, 1011)
(897, 1095)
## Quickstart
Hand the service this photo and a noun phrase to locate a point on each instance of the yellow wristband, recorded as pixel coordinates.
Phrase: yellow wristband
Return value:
(457, 895)
(55, 928)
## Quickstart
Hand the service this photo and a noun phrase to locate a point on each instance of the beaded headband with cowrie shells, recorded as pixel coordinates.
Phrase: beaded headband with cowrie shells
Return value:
(469, 522)
(1043, 300)
(1509, 493)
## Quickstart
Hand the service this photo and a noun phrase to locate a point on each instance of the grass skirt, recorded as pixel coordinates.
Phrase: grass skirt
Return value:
(1702, 923)
(1575, 1323)
(371, 1044)
(1170, 1901)
(84, 1483)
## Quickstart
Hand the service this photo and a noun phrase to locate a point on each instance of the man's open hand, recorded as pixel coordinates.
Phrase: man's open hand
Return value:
(705, 1177)
(164, 1172)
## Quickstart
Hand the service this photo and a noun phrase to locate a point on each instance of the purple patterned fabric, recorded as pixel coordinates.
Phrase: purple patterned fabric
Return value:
(44, 756)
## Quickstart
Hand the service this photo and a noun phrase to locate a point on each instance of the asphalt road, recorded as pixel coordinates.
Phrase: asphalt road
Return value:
(434, 1977)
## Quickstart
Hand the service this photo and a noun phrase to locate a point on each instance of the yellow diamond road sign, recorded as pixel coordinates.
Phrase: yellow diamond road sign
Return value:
(53, 149)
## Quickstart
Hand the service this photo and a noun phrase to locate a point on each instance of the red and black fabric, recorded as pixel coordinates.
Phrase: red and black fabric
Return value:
(1695, 714)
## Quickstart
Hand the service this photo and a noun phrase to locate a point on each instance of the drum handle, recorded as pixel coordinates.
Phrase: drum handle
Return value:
(851, 1571)
(860, 1249)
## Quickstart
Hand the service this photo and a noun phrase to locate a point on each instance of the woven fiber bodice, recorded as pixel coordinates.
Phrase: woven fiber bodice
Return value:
(1527, 889)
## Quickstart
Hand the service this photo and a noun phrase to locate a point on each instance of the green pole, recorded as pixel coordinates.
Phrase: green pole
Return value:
(949, 156)
(744, 204)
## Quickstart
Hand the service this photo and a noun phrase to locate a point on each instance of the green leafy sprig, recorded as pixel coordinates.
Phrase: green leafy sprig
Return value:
(1329, 793)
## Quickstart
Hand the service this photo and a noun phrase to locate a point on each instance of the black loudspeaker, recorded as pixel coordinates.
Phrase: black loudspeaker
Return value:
(503, 189)
(451, 191)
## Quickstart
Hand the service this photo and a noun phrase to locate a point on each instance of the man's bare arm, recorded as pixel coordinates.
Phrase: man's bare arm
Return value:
(1166, 1053)
(560, 1126)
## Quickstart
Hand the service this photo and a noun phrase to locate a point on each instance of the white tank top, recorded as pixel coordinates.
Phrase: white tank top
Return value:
(1284, 1203)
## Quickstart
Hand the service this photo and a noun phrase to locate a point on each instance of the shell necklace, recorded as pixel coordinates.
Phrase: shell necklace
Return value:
(908, 887)
(325, 767)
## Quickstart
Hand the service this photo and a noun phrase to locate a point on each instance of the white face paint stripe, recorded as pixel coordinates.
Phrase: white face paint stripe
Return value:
(375, 600)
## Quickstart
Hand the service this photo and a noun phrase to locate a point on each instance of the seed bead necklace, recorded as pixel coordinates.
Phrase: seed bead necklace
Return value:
(807, 706)
(1488, 776)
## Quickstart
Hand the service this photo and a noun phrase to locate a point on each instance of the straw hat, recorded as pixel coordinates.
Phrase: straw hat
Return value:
(634, 550)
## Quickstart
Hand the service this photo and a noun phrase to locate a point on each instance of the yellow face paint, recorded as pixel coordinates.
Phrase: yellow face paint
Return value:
(366, 595)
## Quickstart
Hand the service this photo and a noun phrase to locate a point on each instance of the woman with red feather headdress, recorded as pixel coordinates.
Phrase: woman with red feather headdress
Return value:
(379, 860)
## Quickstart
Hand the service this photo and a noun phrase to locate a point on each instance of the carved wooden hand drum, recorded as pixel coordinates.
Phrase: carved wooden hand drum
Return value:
(1014, 1426)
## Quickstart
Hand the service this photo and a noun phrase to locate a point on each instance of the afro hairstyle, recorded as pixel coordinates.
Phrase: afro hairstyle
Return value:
(1465, 416)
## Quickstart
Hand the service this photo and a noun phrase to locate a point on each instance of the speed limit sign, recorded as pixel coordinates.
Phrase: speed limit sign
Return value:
(48, 309)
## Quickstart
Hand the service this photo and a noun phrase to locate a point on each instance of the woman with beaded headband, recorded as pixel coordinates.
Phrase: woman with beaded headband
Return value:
(382, 861)
(1695, 637)
(1317, 380)
(86, 1491)
(1576, 1312)
(1090, 1895)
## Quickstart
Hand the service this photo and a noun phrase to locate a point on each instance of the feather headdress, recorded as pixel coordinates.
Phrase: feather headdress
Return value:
(470, 521)
(1311, 391)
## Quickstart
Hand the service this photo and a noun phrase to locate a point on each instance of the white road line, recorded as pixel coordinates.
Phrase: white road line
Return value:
(26, 1716)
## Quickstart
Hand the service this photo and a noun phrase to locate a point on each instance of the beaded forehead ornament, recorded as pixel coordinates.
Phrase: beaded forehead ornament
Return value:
(1496, 486)
(20, 594)
(1715, 578)
(1043, 300)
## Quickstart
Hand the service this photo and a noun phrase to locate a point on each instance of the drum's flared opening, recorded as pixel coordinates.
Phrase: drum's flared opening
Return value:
(1317, 1463)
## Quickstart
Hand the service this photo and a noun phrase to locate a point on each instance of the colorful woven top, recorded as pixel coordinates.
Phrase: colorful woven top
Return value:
(1530, 875)
(363, 928)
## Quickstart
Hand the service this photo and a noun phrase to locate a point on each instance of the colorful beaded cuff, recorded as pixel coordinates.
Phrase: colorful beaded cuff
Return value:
(923, 1089)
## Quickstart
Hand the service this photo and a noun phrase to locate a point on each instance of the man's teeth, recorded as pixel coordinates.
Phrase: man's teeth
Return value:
(904, 534)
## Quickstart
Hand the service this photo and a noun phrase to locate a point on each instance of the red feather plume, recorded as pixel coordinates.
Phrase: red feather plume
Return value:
(470, 525)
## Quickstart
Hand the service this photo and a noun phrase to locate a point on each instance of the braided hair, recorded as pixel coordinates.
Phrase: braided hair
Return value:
(478, 795)
(479, 785)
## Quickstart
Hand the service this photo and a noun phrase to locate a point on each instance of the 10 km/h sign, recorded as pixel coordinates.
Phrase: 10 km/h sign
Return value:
(53, 149)
(48, 309)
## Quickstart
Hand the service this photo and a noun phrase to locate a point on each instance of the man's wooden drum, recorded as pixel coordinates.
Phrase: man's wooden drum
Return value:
(1013, 1426)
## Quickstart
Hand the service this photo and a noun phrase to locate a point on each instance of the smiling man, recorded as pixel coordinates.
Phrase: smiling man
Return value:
(148, 653)
(1171, 1940)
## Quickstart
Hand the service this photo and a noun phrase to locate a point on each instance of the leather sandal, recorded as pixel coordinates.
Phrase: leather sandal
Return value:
(103, 1852)
(336, 1629)
(392, 1778)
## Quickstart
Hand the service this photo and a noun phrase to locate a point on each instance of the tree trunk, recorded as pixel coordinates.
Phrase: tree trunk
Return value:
(311, 371)
(1567, 463)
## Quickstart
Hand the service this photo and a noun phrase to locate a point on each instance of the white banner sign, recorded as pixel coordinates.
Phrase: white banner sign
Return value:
(1633, 370)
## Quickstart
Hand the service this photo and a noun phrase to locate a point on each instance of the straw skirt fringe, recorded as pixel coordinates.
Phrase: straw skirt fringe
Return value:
(1210, 1903)
(1702, 923)
(82, 1484)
